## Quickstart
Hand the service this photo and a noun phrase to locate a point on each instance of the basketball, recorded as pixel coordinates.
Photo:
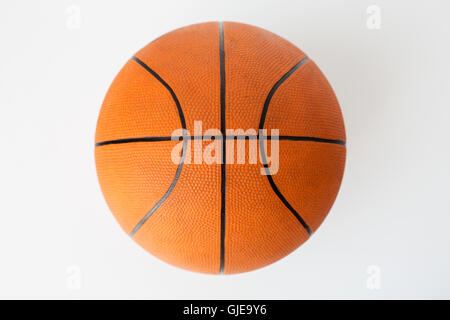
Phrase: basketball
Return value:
(220, 147)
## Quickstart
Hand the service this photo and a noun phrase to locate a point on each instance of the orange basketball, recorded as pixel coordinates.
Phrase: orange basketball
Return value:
(220, 147)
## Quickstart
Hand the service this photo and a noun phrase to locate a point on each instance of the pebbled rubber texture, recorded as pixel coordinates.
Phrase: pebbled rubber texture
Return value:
(191, 228)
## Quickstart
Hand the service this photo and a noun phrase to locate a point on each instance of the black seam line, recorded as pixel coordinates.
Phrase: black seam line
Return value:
(180, 165)
(275, 87)
(223, 131)
(261, 143)
(312, 139)
(219, 137)
(130, 140)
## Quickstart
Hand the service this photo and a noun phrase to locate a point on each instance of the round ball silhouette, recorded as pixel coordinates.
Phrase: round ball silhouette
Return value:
(220, 147)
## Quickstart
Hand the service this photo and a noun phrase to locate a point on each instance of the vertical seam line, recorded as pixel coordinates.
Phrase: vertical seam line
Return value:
(223, 163)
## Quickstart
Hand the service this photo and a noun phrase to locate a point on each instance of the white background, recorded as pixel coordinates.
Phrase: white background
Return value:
(392, 211)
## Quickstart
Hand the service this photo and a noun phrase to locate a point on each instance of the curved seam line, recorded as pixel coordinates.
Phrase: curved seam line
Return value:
(212, 137)
(261, 141)
(183, 154)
